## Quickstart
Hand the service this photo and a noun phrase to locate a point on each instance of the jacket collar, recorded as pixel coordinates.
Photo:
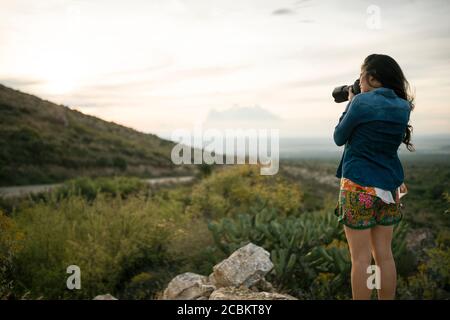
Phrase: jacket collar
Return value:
(385, 92)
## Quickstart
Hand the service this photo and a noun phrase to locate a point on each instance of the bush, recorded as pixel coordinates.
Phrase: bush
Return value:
(432, 281)
(120, 163)
(89, 188)
(233, 190)
(10, 245)
(110, 239)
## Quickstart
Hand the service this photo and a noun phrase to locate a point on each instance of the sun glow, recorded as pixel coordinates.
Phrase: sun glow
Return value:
(60, 85)
(60, 72)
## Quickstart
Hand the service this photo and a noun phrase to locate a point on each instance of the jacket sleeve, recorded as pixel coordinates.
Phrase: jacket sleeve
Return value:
(350, 118)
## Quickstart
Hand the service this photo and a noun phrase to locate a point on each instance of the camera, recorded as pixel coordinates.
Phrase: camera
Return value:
(340, 94)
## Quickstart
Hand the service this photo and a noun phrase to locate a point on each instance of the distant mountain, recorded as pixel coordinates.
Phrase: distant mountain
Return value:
(437, 145)
(41, 142)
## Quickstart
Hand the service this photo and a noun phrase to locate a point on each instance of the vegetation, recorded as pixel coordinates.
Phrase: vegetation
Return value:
(130, 241)
(309, 251)
(10, 244)
(229, 192)
(41, 142)
(428, 186)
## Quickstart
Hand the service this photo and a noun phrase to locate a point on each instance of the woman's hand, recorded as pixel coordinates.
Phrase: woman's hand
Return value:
(403, 188)
(350, 93)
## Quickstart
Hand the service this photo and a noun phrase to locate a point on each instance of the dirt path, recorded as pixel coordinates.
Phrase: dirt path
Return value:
(320, 177)
(8, 192)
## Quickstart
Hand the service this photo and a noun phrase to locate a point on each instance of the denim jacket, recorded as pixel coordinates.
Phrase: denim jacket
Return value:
(372, 128)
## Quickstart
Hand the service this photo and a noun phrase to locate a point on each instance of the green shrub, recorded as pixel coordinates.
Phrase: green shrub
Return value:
(432, 281)
(232, 190)
(91, 187)
(110, 239)
(10, 244)
(446, 197)
(120, 163)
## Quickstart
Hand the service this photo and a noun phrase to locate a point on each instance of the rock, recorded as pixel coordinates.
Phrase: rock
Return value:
(239, 277)
(105, 297)
(243, 293)
(416, 238)
(212, 280)
(263, 285)
(188, 286)
(246, 266)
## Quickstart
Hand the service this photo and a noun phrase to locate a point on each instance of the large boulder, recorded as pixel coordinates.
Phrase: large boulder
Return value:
(188, 286)
(244, 267)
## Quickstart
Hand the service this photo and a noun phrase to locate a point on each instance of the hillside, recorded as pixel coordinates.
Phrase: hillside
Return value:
(41, 142)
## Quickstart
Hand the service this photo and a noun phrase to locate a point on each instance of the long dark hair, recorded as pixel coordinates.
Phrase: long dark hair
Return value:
(387, 71)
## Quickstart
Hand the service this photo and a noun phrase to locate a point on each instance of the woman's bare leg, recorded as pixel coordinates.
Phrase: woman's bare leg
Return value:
(381, 238)
(360, 252)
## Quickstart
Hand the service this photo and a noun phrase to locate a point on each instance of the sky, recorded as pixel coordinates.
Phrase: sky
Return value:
(161, 65)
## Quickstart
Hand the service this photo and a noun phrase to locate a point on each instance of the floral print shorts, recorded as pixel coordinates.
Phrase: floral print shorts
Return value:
(359, 209)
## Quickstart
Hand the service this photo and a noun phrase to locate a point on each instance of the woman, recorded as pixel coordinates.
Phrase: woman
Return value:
(372, 127)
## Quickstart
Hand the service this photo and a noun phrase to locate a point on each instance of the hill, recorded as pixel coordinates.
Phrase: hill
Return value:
(42, 142)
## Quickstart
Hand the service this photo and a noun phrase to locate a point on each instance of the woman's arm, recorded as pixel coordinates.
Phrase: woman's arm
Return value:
(350, 118)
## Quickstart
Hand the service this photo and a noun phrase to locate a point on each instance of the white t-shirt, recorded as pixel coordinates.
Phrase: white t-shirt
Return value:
(386, 195)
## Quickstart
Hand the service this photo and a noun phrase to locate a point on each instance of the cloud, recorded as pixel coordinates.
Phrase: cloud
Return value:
(168, 63)
(283, 11)
(306, 21)
(243, 118)
(168, 78)
(303, 3)
(255, 113)
(19, 82)
(332, 79)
